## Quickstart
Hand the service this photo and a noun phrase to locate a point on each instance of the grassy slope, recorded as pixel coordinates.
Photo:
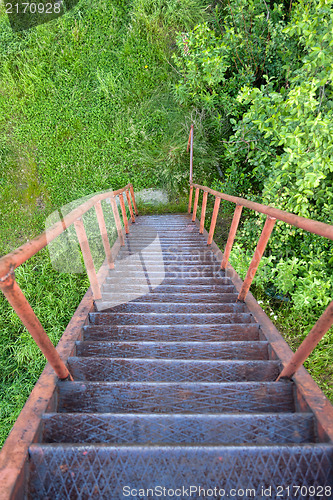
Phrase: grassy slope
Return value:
(85, 105)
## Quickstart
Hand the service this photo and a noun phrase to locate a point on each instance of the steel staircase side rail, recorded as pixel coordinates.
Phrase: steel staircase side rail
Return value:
(308, 395)
(273, 214)
(310, 225)
(43, 398)
(11, 261)
(25, 252)
(313, 338)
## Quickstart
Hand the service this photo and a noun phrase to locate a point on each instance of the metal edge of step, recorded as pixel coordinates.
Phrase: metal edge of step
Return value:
(223, 428)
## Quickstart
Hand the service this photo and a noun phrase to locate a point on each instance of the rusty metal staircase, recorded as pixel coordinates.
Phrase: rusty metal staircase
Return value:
(175, 387)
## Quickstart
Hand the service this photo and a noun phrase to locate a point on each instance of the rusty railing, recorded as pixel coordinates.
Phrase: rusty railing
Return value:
(11, 261)
(273, 214)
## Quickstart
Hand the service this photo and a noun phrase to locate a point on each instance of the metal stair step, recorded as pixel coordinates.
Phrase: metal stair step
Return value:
(207, 333)
(155, 265)
(169, 429)
(173, 253)
(170, 257)
(150, 308)
(162, 272)
(110, 295)
(103, 471)
(174, 238)
(173, 244)
(97, 369)
(166, 397)
(100, 318)
(187, 284)
(171, 370)
(174, 350)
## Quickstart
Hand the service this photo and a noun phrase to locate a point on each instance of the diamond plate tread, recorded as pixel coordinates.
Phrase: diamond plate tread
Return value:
(173, 253)
(171, 370)
(153, 429)
(159, 397)
(209, 333)
(61, 472)
(193, 298)
(148, 308)
(202, 283)
(175, 236)
(157, 258)
(156, 244)
(165, 266)
(100, 318)
(177, 272)
(175, 350)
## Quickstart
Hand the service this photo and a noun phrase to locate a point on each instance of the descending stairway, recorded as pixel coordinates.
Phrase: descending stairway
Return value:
(175, 388)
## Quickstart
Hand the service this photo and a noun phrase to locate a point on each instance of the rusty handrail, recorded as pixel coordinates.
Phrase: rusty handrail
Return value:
(11, 261)
(26, 251)
(190, 148)
(325, 322)
(310, 225)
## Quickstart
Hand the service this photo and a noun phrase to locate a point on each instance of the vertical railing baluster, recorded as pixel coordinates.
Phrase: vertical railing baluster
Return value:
(23, 309)
(117, 220)
(214, 219)
(203, 212)
(104, 234)
(191, 155)
(123, 211)
(262, 242)
(87, 257)
(232, 234)
(321, 327)
(195, 206)
(130, 205)
(133, 199)
(190, 200)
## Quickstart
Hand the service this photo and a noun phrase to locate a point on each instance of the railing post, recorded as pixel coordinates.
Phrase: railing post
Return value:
(322, 326)
(190, 146)
(130, 205)
(263, 240)
(231, 237)
(117, 220)
(87, 257)
(214, 219)
(133, 199)
(23, 309)
(123, 211)
(203, 212)
(195, 206)
(190, 200)
(191, 155)
(104, 234)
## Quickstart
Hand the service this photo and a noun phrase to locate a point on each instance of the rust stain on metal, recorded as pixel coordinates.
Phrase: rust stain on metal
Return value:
(231, 237)
(322, 326)
(104, 234)
(87, 257)
(262, 243)
(213, 221)
(17, 300)
(123, 212)
(195, 206)
(130, 205)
